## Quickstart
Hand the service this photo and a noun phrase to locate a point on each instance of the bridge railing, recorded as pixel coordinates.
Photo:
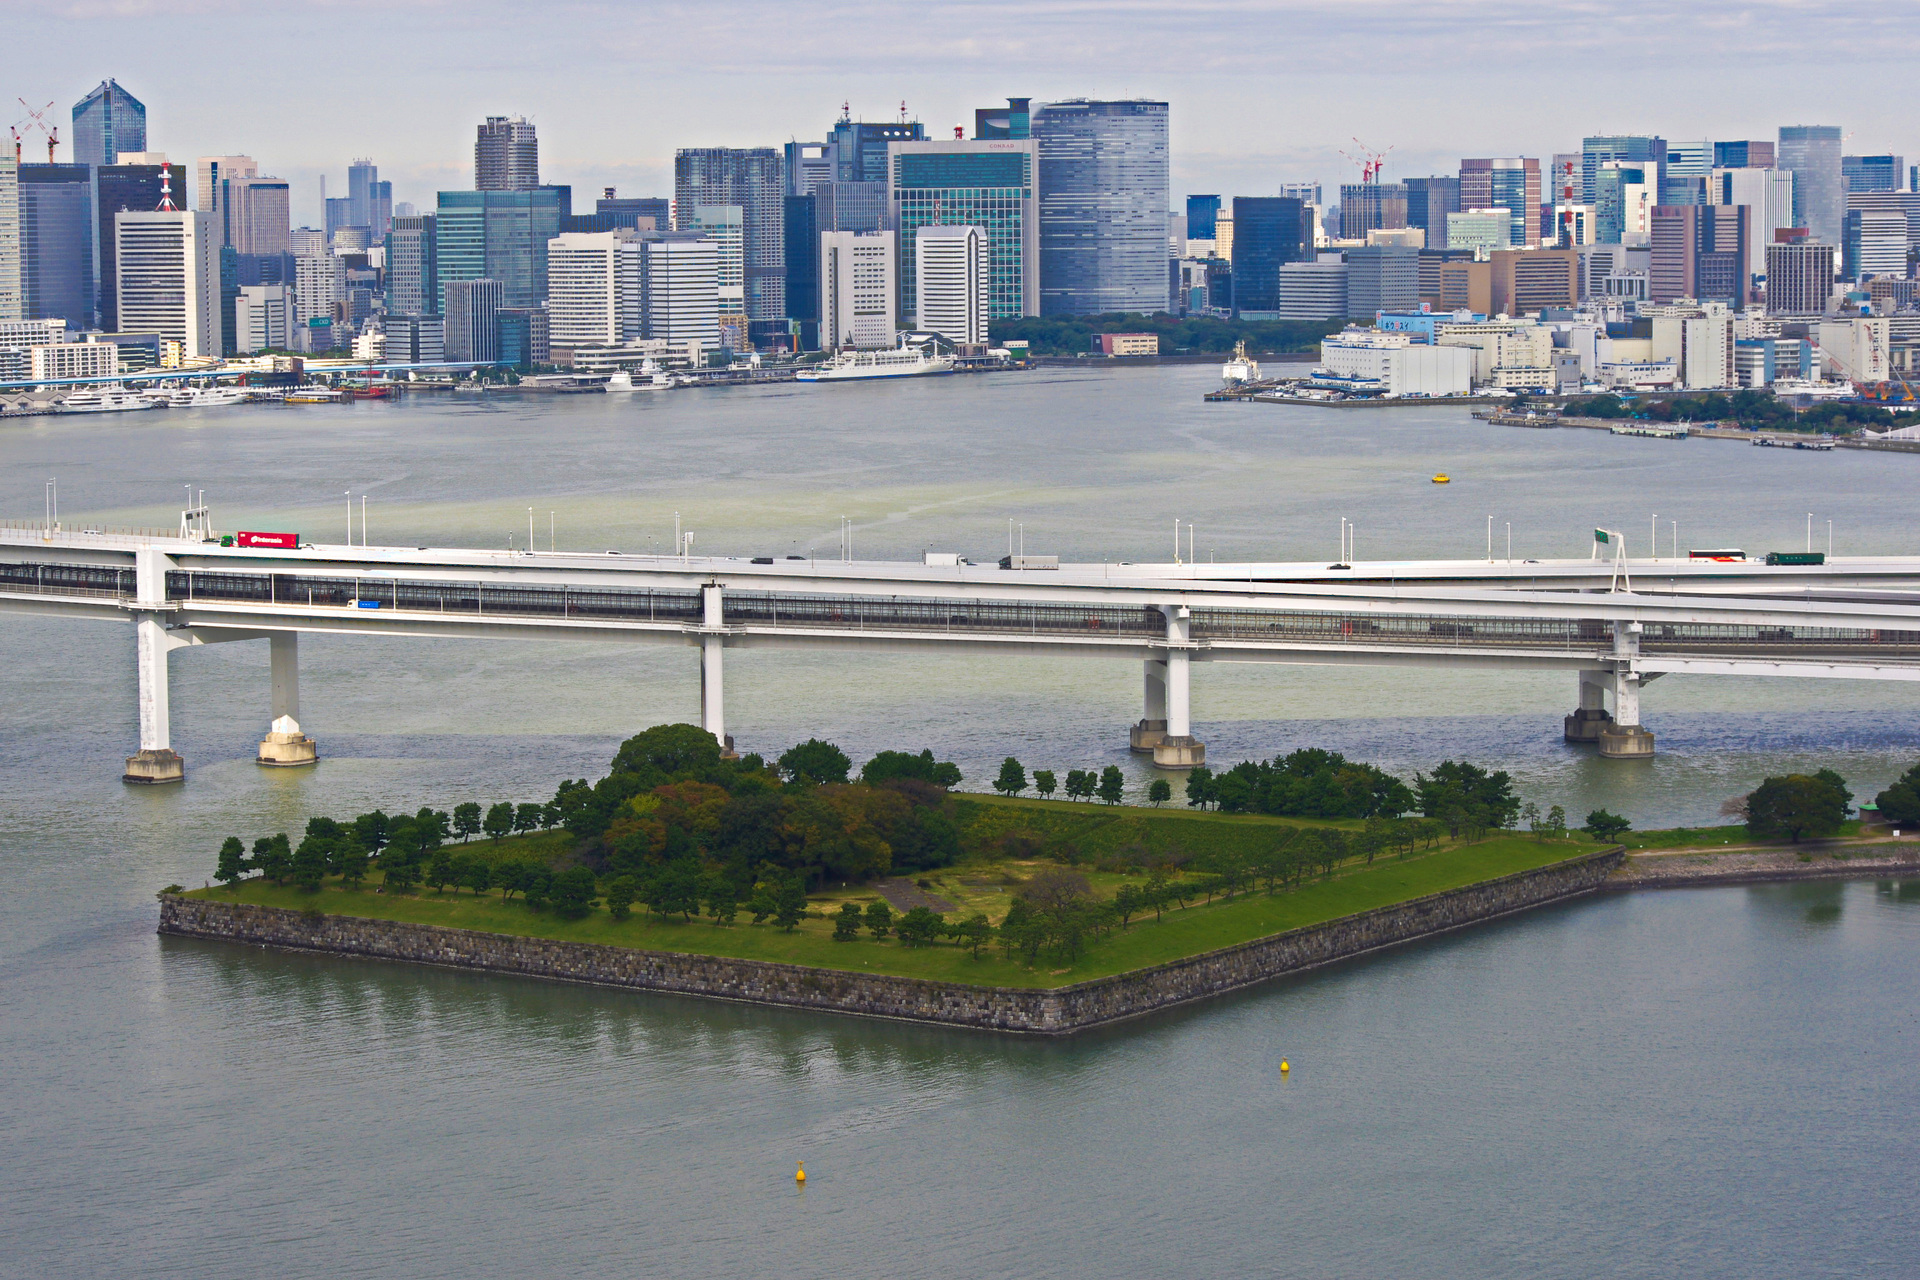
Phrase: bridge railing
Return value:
(91, 581)
(417, 596)
(868, 613)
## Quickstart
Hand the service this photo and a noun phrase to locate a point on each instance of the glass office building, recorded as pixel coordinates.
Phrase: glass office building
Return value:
(56, 243)
(1203, 217)
(1812, 151)
(1266, 236)
(107, 122)
(1105, 188)
(755, 180)
(500, 236)
(1648, 152)
(987, 184)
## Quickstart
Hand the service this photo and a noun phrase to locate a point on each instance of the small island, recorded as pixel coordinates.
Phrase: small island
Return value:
(887, 892)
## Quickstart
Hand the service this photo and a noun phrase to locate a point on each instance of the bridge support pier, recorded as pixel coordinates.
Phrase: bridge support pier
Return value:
(1152, 729)
(1624, 739)
(285, 746)
(1590, 717)
(156, 761)
(713, 703)
(1179, 749)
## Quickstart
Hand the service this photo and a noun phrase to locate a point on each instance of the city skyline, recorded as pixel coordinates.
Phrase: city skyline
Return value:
(1231, 129)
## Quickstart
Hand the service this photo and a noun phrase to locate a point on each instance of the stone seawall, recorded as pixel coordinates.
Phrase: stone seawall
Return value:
(1037, 1011)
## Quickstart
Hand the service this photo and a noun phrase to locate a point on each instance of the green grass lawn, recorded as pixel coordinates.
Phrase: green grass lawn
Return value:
(1179, 933)
(1707, 837)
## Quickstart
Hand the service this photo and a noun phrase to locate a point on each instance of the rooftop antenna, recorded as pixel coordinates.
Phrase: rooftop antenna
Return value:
(166, 190)
(903, 111)
(846, 113)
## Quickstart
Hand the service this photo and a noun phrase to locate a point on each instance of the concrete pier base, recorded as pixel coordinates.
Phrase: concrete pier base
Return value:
(1626, 742)
(285, 747)
(1587, 724)
(1146, 735)
(1181, 752)
(726, 749)
(156, 766)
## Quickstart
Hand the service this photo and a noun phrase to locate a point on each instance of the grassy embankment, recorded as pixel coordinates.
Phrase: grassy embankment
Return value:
(1706, 839)
(984, 881)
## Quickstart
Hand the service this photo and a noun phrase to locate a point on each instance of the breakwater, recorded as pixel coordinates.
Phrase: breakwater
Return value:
(1821, 861)
(1033, 1011)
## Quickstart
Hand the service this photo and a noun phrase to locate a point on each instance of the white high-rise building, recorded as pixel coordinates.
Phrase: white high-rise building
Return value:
(263, 317)
(319, 281)
(211, 174)
(1768, 195)
(951, 282)
(596, 284)
(12, 267)
(167, 269)
(857, 288)
(683, 291)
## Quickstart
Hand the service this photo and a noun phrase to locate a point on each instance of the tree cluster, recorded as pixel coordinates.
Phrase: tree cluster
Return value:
(1798, 805)
(1308, 783)
(1899, 804)
(1062, 336)
(1109, 784)
(1749, 406)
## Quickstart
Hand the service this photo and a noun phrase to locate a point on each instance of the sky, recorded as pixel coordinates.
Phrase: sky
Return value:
(1261, 91)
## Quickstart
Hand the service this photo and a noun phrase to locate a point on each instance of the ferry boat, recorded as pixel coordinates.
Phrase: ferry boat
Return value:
(649, 379)
(1819, 444)
(315, 395)
(197, 397)
(907, 360)
(1651, 433)
(108, 399)
(1811, 389)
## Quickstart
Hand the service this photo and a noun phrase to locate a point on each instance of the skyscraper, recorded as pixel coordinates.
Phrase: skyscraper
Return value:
(682, 290)
(1743, 155)
(810, 165)
(1688, 164)
(1768, 195)
(256, 215)
(1812, 151)
(1009, 122)
(953, 266)
(107, 122)
(1873, 173)
(627, 212)
(506, 155)
(500, 236)
(857, 288)
(210, 174)
(1104, 185)
(1623, 202)
(1203, 212)
(801, 230)
(1799, 278)
(413, 275)
(1511, 183)
(12, 284)
(1642, 151)
(1266, 237)
(860, 147)
(131, 188)
(56, 243)
(725, 225)
(1371, 206)
(167, 267)
(1699, 252)
(991, 185)
(1429, 201)
(473, 321)
(755, 179)
(596, 287)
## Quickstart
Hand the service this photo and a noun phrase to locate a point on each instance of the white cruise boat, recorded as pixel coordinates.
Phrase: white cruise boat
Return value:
(650, 378)
(198, 397)
(108, 399)
(904, 361)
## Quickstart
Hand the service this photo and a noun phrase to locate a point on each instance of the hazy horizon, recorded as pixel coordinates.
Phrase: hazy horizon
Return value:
(615, 89)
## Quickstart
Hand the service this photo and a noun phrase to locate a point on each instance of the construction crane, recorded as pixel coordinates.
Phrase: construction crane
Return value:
(1371, 162)
(36, 119)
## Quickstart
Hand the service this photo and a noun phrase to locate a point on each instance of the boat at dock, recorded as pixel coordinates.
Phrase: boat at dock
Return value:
(1651, 433)
(108, 399)
(315, 395)
(908, 360)
(1817, 444)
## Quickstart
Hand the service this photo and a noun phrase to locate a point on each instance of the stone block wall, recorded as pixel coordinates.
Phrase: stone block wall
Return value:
(1058, 1011)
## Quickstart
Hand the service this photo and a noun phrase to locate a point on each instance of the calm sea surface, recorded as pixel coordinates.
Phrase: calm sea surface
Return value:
(1713, 1082)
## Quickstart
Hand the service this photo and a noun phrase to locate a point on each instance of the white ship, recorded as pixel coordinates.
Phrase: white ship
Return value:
(907, 360)
(1240, 369)
(1790, 388)
(650, 378)
(108, 399)
(197, 397)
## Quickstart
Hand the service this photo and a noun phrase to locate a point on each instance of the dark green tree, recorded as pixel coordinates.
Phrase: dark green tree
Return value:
(1456, 790)
(526, 817)
(1128, 899)
(814, 763)
(572, 893)
(667, 750)
(232, 868)
(1159, 791)
(1013, 778)
(846, 925)
(889, 765)
(1796, 806)
(536, 885)
(466, 820)
(476, 875)
(722, 896)
(372, 829)
(439, 870)
(350, 858)
(789, 904)
(620, 892)
(973, 933)
(879, 919)
(310, 862)
(1113, 784)
(1899, 804)
(273, 857)
(1602, 825)
(920, 926)
(1079, 784)
(499, 821)
(1199, 787)
(1044, 782)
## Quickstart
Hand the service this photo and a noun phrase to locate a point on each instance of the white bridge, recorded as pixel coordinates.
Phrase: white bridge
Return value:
(1616, 624)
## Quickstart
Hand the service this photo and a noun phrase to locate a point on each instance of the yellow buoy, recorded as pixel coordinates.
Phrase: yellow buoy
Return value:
(801, 1176)
(1442, 478)
(1284, 1068)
